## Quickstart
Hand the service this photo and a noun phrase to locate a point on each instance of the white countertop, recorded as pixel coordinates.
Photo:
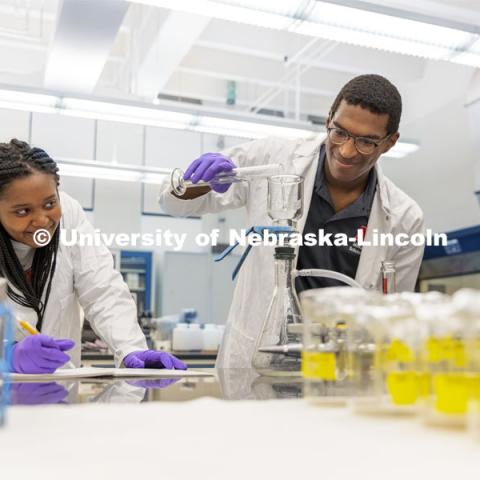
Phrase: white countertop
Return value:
(210, 438)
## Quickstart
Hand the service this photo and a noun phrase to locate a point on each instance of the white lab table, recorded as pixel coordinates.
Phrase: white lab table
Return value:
(211, 438)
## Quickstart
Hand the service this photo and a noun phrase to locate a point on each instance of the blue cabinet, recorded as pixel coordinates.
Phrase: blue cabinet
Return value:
(136, 268)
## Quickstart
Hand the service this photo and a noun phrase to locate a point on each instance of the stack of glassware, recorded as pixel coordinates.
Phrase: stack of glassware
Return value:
(404, 353)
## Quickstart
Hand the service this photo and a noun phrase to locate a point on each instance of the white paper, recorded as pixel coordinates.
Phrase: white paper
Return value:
(69, 373)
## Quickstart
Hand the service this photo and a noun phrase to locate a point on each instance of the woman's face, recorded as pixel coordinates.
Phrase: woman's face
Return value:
(29, 204)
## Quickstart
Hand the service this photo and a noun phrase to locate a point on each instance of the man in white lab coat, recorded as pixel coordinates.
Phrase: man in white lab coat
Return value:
(345, 190)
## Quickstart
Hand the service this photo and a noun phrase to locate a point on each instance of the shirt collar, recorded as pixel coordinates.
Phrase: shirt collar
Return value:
(24, 254)
(321, 189)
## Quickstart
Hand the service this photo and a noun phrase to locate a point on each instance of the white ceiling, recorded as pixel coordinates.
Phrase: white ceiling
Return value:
(134, 51)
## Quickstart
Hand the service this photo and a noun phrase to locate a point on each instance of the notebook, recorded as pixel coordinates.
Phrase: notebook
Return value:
(88, 372)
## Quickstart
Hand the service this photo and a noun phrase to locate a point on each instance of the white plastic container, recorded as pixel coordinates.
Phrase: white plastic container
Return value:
(187, 337)
(220, 333)
(211, 335)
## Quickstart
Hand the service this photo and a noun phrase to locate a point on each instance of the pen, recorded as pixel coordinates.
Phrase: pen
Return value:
(33, 331)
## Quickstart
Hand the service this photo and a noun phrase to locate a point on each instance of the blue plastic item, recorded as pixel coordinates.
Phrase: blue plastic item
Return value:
(6, 340)
(189, 315)
(261, 230)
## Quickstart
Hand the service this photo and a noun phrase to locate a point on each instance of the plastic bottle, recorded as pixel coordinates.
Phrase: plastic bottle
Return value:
(6, 337)
(210, 337)
(187, 337)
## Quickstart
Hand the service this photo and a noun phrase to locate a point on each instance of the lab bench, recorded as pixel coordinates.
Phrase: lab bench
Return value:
(185, 429)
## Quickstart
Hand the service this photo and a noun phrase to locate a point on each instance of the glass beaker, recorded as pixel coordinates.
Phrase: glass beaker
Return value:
(236, 175)
(285, 199)
(277, 352)
(444, 362)
(327, 317)
(6, 336)
(467, 305)
(384, 342)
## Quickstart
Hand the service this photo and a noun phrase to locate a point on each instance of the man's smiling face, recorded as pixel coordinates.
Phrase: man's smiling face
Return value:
(344, 162)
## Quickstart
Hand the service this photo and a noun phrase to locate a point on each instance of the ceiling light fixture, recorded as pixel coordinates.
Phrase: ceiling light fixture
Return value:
(111, 171)
(341, 23)
(201, 120)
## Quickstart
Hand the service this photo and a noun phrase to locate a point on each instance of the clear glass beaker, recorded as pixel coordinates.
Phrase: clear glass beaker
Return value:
(285, 199)
(384, 342)
(444, 362)
(467, 305)
(236, 175)
(327, 317)
(277, 352)
(6, 337)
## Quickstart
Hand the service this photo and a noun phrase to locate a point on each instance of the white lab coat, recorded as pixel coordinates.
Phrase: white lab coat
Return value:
(84, 276)
(392, 211)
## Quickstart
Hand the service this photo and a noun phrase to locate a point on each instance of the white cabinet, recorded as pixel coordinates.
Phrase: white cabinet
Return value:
(194, 280)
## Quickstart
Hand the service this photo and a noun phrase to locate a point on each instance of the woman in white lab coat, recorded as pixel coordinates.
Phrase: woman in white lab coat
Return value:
(49, 281)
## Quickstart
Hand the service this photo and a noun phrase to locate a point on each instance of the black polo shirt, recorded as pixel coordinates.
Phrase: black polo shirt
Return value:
(321, 215)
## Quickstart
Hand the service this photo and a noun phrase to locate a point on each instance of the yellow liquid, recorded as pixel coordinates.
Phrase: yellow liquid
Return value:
(403, 387)
(446, 349)
(319, 366)
(452, 391)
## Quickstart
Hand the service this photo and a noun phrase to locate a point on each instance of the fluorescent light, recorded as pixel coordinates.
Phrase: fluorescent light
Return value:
(246, 126)
(236, 128)
(373, 40)
(30, 102)
(125, 113)
(111, 171)
(339, 23)
(401, 149)
(224, 11)
(169, 119)
(387, 27)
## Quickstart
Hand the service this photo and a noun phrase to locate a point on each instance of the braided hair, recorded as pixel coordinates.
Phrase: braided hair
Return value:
(17, 160)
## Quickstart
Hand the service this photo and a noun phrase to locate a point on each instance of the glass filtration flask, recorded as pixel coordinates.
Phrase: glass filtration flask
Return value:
(278, 349)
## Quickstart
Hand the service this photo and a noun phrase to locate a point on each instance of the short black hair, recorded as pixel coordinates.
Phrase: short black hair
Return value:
(374, 93)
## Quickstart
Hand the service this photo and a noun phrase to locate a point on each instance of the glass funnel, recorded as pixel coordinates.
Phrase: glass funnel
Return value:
(285, 199)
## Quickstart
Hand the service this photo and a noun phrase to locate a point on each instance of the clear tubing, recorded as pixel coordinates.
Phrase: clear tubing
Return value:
(319, 272)
(239, 174)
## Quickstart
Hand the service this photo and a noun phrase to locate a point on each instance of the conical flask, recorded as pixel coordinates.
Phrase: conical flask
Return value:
(278, 349)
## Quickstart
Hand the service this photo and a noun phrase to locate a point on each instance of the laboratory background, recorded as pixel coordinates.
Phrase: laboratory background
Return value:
(120, 93)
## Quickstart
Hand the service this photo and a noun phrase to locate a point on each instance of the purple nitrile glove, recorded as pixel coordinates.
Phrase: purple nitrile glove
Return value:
(37, 393)
(206, 167)
(157, 383)
(153, 359)
(40, 354)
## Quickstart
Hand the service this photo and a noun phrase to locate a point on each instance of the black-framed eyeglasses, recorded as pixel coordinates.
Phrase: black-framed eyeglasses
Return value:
(364, 145)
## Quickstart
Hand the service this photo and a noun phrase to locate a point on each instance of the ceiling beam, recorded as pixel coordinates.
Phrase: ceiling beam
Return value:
(278, 57)
(254, 80)
(174, 39)
(86, 31)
